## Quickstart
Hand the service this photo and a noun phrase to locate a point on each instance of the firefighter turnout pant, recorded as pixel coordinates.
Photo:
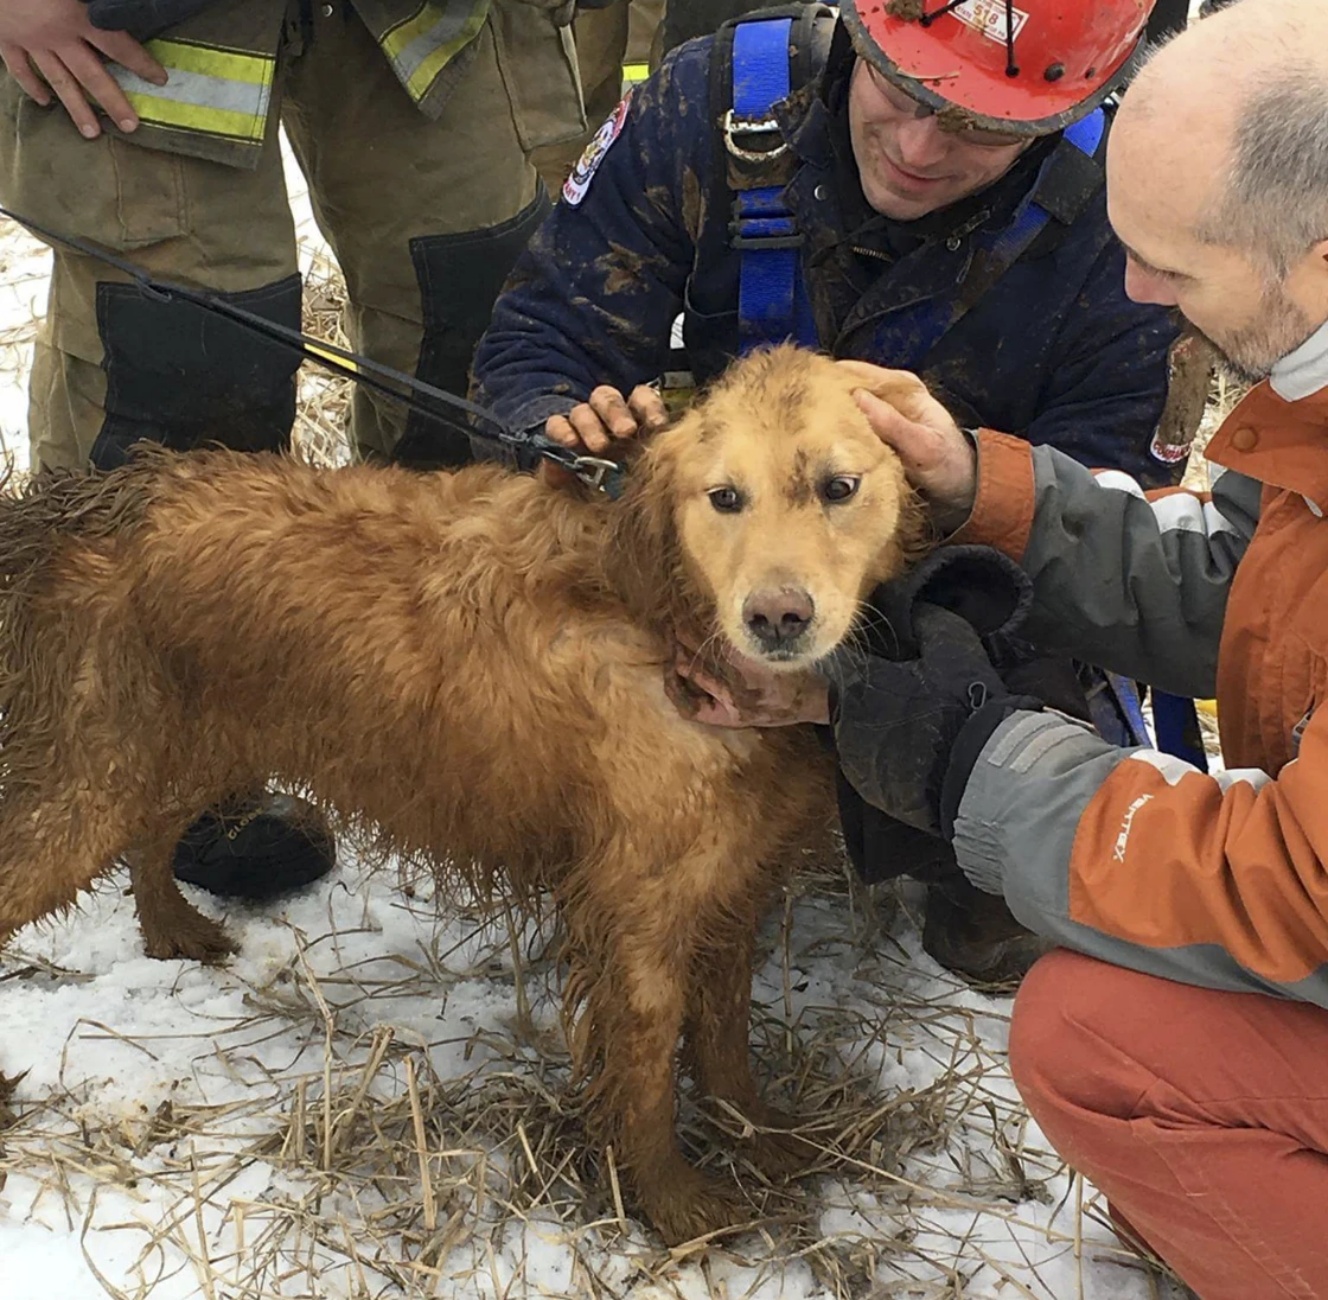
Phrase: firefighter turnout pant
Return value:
(425, 218)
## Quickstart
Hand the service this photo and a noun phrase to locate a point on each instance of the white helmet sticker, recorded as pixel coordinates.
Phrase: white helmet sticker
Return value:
(988, 17)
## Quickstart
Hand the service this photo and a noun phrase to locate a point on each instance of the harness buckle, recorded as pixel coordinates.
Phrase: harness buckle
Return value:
(733, 127)
(763, 243)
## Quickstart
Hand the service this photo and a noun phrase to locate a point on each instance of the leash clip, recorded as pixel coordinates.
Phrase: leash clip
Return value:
(599, 473)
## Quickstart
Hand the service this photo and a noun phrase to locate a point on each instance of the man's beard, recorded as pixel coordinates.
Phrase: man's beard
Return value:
(1249, 355)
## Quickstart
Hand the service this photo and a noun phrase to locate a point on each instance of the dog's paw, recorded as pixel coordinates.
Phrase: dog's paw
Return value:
(197, 939)
(684, 1208)
(780, 1155)
(774, 1141)
(8, 1116)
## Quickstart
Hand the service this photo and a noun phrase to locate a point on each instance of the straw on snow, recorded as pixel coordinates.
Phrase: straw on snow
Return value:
(392, 1177)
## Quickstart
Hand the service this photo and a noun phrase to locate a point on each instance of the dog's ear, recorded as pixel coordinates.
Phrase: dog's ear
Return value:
(916, 535)
(643, 561)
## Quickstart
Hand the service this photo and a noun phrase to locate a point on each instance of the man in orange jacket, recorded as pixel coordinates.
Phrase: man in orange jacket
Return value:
(1173, 1050)
(1175, 1053)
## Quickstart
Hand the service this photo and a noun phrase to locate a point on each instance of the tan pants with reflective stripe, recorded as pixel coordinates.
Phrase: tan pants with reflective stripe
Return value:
(380, 174)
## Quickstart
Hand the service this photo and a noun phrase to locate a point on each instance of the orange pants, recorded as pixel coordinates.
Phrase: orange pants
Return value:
(1203, 1117)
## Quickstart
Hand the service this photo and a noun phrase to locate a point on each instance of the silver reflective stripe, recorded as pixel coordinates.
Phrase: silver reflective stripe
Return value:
(197, 89)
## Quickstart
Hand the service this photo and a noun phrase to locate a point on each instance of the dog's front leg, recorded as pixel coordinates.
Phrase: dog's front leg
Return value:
(171, 927)
(717, 1040)
(627, 1040)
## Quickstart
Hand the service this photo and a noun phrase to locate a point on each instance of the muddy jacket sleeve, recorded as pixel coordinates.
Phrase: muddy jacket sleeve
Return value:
(142, 18)
(594, 296)
(1103, 397)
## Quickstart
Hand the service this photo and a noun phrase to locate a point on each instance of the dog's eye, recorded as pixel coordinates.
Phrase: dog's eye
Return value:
(727, 500)
(839, 488)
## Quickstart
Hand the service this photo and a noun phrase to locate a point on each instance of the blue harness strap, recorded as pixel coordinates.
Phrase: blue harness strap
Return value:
(1117, 713)
(773, 305)
(772, 300)
(920, 330)
(1176, 721)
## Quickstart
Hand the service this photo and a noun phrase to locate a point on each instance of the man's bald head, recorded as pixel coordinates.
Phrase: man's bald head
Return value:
(1217, 179)
(1233, 114)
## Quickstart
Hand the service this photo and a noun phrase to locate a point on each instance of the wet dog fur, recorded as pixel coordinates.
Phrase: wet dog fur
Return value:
(470, 665)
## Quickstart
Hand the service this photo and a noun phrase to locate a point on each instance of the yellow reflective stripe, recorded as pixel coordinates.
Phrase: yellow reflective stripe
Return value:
(422, 78)
(228, 65)
(425, 19)
(210, 90)
(404, 43)
(634, 72)
(193, 117)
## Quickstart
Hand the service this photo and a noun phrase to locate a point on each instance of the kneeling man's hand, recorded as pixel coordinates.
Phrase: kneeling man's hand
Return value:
(909, 731)
(594, 427)
(608, 417)
(750, 695)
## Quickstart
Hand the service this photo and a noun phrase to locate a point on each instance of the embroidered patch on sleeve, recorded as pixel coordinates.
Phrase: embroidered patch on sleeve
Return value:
(576, 185)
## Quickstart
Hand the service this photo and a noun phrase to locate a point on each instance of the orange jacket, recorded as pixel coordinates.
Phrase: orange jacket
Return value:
(1134, 856)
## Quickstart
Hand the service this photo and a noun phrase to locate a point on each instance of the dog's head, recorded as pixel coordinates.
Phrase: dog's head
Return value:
(771, 510)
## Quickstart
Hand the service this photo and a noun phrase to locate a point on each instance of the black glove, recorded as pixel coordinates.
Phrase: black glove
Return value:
(142, 19)
(909, 732)
(986, 589)
(884, 848)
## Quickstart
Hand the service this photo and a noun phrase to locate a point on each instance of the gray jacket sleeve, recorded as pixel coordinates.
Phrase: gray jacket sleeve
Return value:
(1132, 583)
(1051, 808)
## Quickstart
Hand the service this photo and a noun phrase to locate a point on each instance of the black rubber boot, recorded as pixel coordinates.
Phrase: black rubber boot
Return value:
(973, 934)
(256, 848)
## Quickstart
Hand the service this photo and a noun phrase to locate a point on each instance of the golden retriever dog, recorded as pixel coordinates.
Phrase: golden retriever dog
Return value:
(471, 666)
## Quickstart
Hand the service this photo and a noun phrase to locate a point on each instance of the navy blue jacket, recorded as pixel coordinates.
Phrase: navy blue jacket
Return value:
(1053, 351)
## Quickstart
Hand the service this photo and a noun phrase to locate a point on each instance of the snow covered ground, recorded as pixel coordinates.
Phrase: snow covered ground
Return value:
(369, 1101)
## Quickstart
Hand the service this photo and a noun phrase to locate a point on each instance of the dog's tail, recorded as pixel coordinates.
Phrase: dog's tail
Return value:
(38, 516)
(39, 653)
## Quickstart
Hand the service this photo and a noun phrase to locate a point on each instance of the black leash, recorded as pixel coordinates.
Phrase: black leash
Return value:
(443, 408)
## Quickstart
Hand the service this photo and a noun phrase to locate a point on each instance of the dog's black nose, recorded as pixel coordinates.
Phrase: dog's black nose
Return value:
(777, 617)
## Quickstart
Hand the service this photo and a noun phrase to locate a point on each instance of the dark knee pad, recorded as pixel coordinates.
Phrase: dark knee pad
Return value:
(182, 376)
(460, 277)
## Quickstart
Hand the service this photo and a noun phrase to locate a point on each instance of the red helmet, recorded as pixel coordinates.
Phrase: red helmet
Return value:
(1027, 67)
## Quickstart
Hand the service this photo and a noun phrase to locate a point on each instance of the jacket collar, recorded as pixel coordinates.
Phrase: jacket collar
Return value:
(1278, 442)
(1304, 371)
